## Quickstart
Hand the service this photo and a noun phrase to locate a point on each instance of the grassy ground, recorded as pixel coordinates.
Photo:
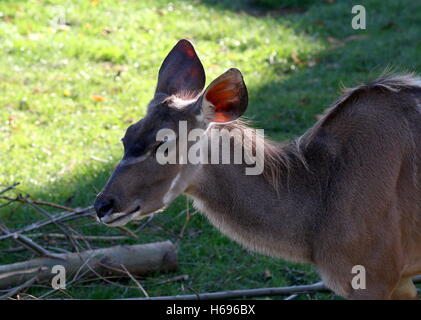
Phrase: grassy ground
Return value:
(75, 74)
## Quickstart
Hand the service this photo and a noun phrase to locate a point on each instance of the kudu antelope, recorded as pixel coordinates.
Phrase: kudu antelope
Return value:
(345, 193)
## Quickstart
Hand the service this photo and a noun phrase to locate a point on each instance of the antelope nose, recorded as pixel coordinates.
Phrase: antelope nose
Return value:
(103, 207)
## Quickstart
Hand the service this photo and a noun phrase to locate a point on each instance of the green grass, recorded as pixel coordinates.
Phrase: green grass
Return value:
(57, 56)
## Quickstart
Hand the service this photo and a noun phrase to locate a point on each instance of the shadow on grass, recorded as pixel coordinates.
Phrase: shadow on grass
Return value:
(284, 109)
(262, 8)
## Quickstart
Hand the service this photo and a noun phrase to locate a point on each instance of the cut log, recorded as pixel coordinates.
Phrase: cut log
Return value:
(136, 259)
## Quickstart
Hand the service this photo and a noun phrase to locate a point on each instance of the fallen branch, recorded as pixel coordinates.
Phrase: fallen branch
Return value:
(182, 277)
(61, 217)
(246, 293)
(128, 231)
(250, 293)
(29, 244)
(137, 260)
(135, 281)
(65, 229)
(16, 290)
(77, 237)
(41, 203)
(9, 187)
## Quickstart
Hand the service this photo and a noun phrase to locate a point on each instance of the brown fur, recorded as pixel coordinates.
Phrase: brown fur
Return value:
(346, 193)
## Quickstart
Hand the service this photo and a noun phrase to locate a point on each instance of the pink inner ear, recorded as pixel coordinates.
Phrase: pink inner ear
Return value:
(186, 48)
(224, 96)
(190, 52)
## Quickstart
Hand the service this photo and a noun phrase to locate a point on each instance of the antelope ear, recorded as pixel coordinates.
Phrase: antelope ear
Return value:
(226, 98)
(181, 71)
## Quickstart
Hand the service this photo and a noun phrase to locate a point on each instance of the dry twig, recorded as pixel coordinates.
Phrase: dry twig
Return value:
(9, 187)
(77, 237)
(29, 244)
(250, 293)
(19, 288)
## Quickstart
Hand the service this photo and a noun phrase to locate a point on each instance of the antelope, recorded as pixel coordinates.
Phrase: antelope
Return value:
(344, 194)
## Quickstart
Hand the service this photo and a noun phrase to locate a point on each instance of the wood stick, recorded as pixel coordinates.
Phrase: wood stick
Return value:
(53, 205)
(41, 203)
(61, 226)
(135, 281)
(16, 290)
(78, 237)
(85, 212)
(137, 259)
(246, 293)
(29, 244)
(9, 187)
(128, 231)
(182, 277)
(249, 293)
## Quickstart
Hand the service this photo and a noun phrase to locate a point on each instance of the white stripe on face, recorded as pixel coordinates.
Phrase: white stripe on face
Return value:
(171, 193)
(126, 162)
